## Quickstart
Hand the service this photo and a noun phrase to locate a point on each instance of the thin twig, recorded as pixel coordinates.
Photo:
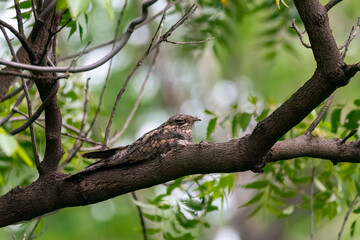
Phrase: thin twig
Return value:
(352, 35)
(118, 38)
(139, 63)
(142, 221)
(150, 19)
(138, 99)
(22, 40)
(109, 69)
(312, 204)
(300, 34)
(26, 90)
(61, 28)
(77, 58)
(347, 215)
(38, 111)
(316, 122)
(78, 143)
(123, 41)
(33, 230)
(193, 42)
(122, 90)
(65, 125)
(19, 18)
(331, 4)
(13, 110)
(348, 136)
(82, 139)
(18, 74)
(16, 91)
(34, 11)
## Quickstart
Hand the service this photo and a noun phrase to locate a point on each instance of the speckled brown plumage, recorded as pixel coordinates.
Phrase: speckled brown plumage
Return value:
(176, 131)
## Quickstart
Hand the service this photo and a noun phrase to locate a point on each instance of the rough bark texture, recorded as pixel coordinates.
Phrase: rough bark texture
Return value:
(54, 190)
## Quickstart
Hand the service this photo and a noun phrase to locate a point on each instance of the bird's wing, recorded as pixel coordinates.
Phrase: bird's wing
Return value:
(103, 153)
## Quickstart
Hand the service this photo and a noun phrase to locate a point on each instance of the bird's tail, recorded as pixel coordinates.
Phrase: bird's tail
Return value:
(102, 154)
(106, 156)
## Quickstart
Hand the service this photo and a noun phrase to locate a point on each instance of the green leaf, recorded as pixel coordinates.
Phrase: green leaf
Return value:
(72, 26)
(187, 236)
(352, 228)
(289, 210)
(276, 211)
(244, 120)
(152, 231)
(211, 127)
(357, 102)
(206, 224)
(252, 99)
(263, 115)
(184, 222)
(319, 185)
(257, 185)
(299, 180)
(175, 184)
(253, 200)
(255, 211)
(335, 119)
(357, 210)
(77, 7)
(208, 112)
(23, 155)
(108, 8)
(157, 199)
(211, 208)
(193, 204)
(227, 181)
(61, 5)
(352, 119)
(25, 4)
(235, 126)
(8, 144)
(26, 15)
(153, 217)
(80, 32)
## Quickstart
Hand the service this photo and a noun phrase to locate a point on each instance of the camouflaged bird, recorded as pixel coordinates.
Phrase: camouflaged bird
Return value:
(176, 131)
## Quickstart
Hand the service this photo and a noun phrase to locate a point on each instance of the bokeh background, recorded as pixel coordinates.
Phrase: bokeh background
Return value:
(254, 54)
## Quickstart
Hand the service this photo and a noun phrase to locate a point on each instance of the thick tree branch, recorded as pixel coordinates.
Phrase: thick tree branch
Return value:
(330, 74)
(310, 146)
(57, 191)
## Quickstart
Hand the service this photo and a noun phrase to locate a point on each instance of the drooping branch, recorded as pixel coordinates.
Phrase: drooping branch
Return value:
(125, 38)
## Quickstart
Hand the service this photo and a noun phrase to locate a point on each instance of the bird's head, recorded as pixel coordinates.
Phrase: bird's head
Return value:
(181, 120)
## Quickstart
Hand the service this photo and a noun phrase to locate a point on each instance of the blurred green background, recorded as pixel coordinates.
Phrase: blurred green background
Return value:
(255, 53)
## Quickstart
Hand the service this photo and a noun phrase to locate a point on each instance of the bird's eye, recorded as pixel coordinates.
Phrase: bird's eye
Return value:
(179, 121)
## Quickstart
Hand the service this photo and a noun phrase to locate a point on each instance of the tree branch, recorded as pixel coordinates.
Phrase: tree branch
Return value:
(43, 196)
(22, 40)
(123, 41)
(38, 112)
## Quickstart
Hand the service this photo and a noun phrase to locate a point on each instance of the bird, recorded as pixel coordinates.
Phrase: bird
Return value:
(176, 131)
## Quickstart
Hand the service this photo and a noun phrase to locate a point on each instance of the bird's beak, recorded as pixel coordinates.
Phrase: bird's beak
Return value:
(197, 119)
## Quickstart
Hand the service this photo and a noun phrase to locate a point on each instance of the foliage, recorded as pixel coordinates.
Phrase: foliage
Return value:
(182, 209)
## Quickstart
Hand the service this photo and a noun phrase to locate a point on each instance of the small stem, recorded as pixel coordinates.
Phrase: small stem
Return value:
(140, 216)
(347, 215)
(312, 204)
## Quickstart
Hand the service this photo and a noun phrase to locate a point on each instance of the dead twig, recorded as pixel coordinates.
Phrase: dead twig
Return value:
(316, 122)
(348, 136)
(300, 34)
(347, 215)
(352, 35)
